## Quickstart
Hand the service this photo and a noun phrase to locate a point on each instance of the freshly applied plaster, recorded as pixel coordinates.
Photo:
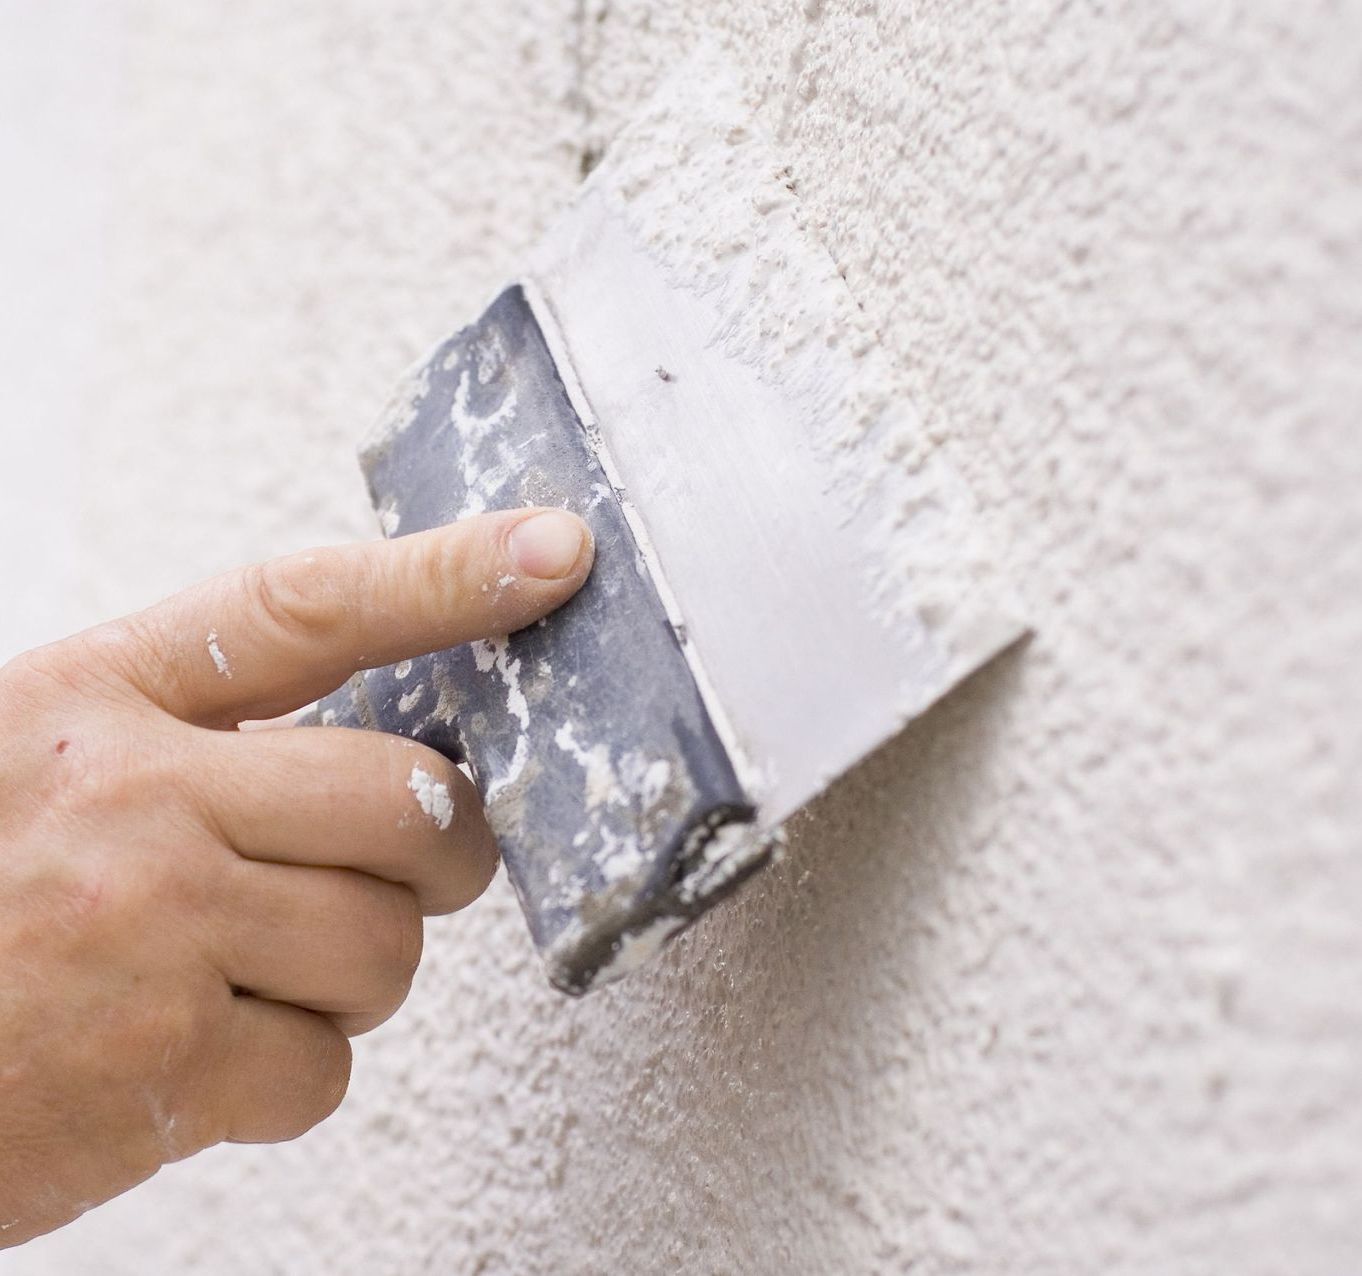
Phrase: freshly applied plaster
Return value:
(1060, 981)
(752, 473)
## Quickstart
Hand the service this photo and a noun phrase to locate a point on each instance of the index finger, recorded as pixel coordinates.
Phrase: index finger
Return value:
(270, 638)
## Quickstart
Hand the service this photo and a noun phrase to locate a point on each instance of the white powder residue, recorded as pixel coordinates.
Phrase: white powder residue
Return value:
(618, 858)
(644, 779)
(401, 670)
(491, 357)
(407, 700)
(481, 478)
(494, 653)
(219, 660)
(389, 519)
(512, 772)
(637, 949)
(602, 784)
(433, 795)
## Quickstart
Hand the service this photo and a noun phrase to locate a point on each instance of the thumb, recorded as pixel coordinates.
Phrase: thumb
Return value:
(266, 639)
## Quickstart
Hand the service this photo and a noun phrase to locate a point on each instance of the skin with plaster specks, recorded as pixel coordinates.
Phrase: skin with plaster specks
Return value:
(194, 919)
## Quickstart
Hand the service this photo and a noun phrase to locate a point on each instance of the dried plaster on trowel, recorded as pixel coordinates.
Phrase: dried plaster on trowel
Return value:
(613, 776)
(493, 656)
(773, 377)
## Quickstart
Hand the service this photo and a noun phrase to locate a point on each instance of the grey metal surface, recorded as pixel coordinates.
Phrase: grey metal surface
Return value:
(617, 807)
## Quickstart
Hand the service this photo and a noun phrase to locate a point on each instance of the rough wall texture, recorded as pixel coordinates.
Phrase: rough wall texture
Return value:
(1065, 980)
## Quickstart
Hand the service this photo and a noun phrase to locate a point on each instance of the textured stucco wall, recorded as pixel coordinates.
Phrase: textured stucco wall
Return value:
(1065, 980)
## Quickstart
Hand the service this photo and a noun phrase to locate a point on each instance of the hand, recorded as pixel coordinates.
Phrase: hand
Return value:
(193, 919)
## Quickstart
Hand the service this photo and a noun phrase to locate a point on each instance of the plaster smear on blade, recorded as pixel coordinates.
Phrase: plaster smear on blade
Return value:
(783, 306)
(638, 948)
(755, 778)
(482, 480)
(493, 655)
(693, 217)
(433, 797)
(633, 950)
(601, 782)
(215, 651)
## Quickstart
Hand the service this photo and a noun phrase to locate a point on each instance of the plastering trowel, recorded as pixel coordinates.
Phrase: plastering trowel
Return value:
(785, 574)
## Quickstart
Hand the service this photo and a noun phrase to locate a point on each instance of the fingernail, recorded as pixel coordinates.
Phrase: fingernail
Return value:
(548, 545)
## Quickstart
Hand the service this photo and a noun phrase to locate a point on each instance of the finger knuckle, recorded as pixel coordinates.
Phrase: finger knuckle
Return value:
(165, 1029)
(108, 661)
(37, 676)
(300, 594)
(113, 773)
(454, 564)
(119, 653)
(78, 897)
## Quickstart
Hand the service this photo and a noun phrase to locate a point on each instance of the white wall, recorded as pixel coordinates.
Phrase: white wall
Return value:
(1063, 981)
(58, 75)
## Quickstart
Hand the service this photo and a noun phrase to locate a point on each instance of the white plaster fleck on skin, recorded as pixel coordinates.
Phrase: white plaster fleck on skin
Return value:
(164, 1123)
(433, 796)
(220, 662)
(503, 581)
(407, 701)
(401, 669)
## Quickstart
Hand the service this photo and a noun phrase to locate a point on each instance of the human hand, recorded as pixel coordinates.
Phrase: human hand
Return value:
(193, 919)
